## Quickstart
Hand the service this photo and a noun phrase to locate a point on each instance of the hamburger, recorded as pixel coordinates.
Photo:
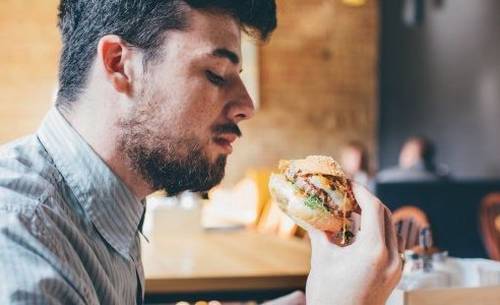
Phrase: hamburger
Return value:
(315, 192)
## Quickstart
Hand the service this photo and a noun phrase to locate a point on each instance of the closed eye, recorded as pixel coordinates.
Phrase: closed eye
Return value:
(215, 79)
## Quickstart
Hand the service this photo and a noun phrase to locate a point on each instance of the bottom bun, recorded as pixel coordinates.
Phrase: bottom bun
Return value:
(291, 201)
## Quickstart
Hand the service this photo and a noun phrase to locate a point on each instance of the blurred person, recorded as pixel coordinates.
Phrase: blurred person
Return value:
(416, 163)
(149, 99)
(355, 163)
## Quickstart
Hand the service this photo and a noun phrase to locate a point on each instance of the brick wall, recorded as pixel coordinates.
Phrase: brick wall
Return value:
(28, 64)
(318, 85)
(318, 79)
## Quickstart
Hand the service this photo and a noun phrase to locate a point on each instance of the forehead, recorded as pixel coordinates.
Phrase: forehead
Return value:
(206, 32)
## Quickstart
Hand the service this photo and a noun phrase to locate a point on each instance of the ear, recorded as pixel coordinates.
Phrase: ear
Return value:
(115, 58)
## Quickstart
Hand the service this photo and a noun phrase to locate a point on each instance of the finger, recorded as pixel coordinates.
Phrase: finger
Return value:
(391, 239)
(395, 263)
(372, 215)
(320, 238)
(323, 248)
(401, 244)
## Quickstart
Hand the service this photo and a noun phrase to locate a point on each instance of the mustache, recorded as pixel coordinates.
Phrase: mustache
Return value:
(227, 128)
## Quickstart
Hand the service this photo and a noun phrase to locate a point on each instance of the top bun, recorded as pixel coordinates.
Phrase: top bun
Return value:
(315, 165)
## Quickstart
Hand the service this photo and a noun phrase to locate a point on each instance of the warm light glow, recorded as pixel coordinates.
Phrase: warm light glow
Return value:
(497, 223)
(354, 2)
(234, 205)
(250, 74)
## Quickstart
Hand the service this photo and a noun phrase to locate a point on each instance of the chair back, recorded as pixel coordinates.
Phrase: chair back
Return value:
(409, 222)
(261, 179)
(489, 217)
(276, 222)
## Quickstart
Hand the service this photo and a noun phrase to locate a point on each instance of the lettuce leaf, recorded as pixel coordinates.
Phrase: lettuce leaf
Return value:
(313, 202)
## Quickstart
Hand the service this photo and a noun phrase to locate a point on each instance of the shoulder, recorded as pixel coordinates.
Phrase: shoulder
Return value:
(36, 256)
(35, 205)
(34, 223)
(388, 174)
(34, 275)
(406, 175)
(27, 175)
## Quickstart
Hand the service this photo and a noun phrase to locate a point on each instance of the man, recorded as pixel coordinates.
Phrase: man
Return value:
(150, 97)
(416, 163)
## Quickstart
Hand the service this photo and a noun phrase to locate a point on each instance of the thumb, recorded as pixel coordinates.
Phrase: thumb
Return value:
(318, 238)
(322, 243)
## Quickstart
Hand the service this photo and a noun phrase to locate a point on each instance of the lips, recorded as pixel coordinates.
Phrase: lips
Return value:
(225, 141)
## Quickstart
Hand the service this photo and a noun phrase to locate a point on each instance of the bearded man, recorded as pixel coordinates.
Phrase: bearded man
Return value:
(150, 98)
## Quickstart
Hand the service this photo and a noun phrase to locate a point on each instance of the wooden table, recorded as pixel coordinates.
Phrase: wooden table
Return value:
(216, 262)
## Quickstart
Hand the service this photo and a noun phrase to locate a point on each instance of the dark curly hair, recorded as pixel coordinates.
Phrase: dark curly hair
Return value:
(141, 24)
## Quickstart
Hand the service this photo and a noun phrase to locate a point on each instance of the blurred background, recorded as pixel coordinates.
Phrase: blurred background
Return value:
(353, 79)
(335, 71)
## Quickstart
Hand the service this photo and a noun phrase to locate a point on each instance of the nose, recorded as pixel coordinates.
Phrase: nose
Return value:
(242, 107)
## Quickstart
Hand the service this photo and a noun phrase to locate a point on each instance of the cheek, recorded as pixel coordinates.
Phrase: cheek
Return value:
(186, 106)
(202, 108)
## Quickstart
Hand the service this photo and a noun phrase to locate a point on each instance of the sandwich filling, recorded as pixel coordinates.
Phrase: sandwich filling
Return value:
(330, 193)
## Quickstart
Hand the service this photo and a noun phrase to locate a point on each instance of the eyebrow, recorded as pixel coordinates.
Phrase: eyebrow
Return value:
(225, 53)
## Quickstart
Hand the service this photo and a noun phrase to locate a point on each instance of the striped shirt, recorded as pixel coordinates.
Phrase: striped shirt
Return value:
(68, 225)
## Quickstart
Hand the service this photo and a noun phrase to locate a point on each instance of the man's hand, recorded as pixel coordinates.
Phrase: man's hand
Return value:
(364, 273)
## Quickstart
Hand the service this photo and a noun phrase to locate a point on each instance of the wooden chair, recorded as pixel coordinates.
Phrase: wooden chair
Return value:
(489, 217)
(261, 179)
(276, 222)
(270, 217)
(409, 222)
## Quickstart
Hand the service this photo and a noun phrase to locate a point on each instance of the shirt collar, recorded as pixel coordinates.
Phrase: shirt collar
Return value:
(109, 204)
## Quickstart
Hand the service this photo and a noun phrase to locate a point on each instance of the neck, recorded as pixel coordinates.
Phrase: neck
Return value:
(99, 129)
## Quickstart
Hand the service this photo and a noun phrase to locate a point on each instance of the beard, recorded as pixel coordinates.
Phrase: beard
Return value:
(164, 169)
(173, 164)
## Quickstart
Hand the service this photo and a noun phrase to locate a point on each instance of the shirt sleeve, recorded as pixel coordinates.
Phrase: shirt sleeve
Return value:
(29, 274)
